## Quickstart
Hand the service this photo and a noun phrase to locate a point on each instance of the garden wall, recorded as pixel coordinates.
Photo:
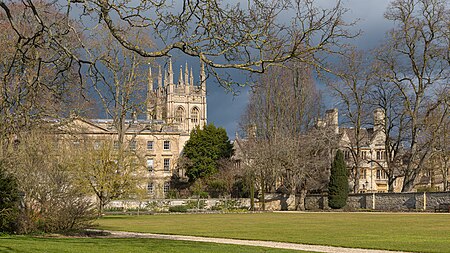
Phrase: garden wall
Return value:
(412, 201)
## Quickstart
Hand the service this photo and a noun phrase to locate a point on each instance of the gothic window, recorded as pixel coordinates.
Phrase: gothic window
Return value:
(380, 155)
(179, 114)
(195, 113)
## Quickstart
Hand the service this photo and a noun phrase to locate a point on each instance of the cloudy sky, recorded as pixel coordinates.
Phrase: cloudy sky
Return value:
(225, 110)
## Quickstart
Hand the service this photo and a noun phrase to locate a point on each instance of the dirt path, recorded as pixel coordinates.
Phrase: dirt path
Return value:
(269, 244)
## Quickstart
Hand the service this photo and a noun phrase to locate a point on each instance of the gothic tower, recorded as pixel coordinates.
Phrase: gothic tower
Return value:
(181, 103)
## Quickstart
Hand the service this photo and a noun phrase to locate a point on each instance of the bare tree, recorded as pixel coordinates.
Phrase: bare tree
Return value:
(435, 133)
(36, 69)
(249, 36)
(52, 200)
(281, 111)
(387, 97)
(415, 57)
(119, 79)
(354, 77)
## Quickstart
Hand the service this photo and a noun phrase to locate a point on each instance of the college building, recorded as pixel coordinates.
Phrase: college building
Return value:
(173, 109)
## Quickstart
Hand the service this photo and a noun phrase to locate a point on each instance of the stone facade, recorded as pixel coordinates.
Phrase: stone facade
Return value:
(373, 155)
(173, 110)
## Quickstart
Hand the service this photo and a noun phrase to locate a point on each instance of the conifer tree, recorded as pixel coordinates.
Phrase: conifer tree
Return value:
(9, 201)
(204, 149)
(338, 185)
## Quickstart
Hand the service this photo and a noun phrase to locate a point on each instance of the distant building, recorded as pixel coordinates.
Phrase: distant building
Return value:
(372, 143)
(173, 110)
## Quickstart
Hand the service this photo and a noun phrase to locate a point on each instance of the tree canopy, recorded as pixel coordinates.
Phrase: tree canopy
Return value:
(204, 150)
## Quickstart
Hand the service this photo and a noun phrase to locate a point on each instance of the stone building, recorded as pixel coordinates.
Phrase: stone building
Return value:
(372, 176)
(173, 110)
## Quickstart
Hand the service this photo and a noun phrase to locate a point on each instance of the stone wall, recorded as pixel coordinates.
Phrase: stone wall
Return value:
(411, 201)
(163, 205)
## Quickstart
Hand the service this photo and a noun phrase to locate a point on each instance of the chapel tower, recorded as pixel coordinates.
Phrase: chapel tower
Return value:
(181, 103)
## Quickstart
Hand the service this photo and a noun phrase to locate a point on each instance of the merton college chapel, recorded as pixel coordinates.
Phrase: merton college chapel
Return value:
(173, 109)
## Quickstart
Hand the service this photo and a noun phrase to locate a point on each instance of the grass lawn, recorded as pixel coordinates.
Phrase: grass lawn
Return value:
(419, 232)
(27, 244)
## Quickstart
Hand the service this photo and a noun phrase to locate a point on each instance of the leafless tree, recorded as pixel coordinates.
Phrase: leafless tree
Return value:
(387, 97)
(351, 87)
(52, 200)
(117, 76)
(416, 59)
(250, 36)
(36, 69)
(280, 148)
(435, 132)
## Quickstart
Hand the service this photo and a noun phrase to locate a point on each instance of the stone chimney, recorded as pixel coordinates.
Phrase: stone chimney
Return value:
(332, 119)
(378, 120)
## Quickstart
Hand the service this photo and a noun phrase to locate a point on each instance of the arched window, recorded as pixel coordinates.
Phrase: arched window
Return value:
(195, 113)
(179, 114)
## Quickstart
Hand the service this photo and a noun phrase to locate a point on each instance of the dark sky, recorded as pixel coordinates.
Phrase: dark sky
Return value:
(225, 110)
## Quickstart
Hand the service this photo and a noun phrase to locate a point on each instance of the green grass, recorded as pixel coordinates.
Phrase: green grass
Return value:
(419, 232)
(26, 244)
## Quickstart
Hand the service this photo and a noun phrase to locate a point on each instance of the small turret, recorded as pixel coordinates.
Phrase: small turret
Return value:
(180, 79)
(378, 120)
(150, 80)
(170, 74)
(186, 75)
(159, 77)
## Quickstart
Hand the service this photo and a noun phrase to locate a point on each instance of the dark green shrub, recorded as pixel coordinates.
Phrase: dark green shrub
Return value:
(178, 209)
(338, 185)
(9, 202)
(217, 188)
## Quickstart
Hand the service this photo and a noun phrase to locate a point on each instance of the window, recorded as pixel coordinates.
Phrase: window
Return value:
(150, 164)
(150, 188)
(116, 145)
(133, 145)
(346, 155)
(179, 114)
(166, 164)
(364, 155)
(166, 187)
(380, 154)
(381, 174)
(362, 173)
(166, 145)
(149, 145)
(194, 115)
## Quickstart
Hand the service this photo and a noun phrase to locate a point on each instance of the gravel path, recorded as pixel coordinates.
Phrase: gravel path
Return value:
(269, 244)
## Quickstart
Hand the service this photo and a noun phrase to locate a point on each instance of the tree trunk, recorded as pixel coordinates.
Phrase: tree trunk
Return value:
(252, 195)
(408, 183)
(301, 200)
(263, 195)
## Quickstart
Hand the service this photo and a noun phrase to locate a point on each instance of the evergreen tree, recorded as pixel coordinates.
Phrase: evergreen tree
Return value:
(204, 149)
(338, 185)
(9, 201)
